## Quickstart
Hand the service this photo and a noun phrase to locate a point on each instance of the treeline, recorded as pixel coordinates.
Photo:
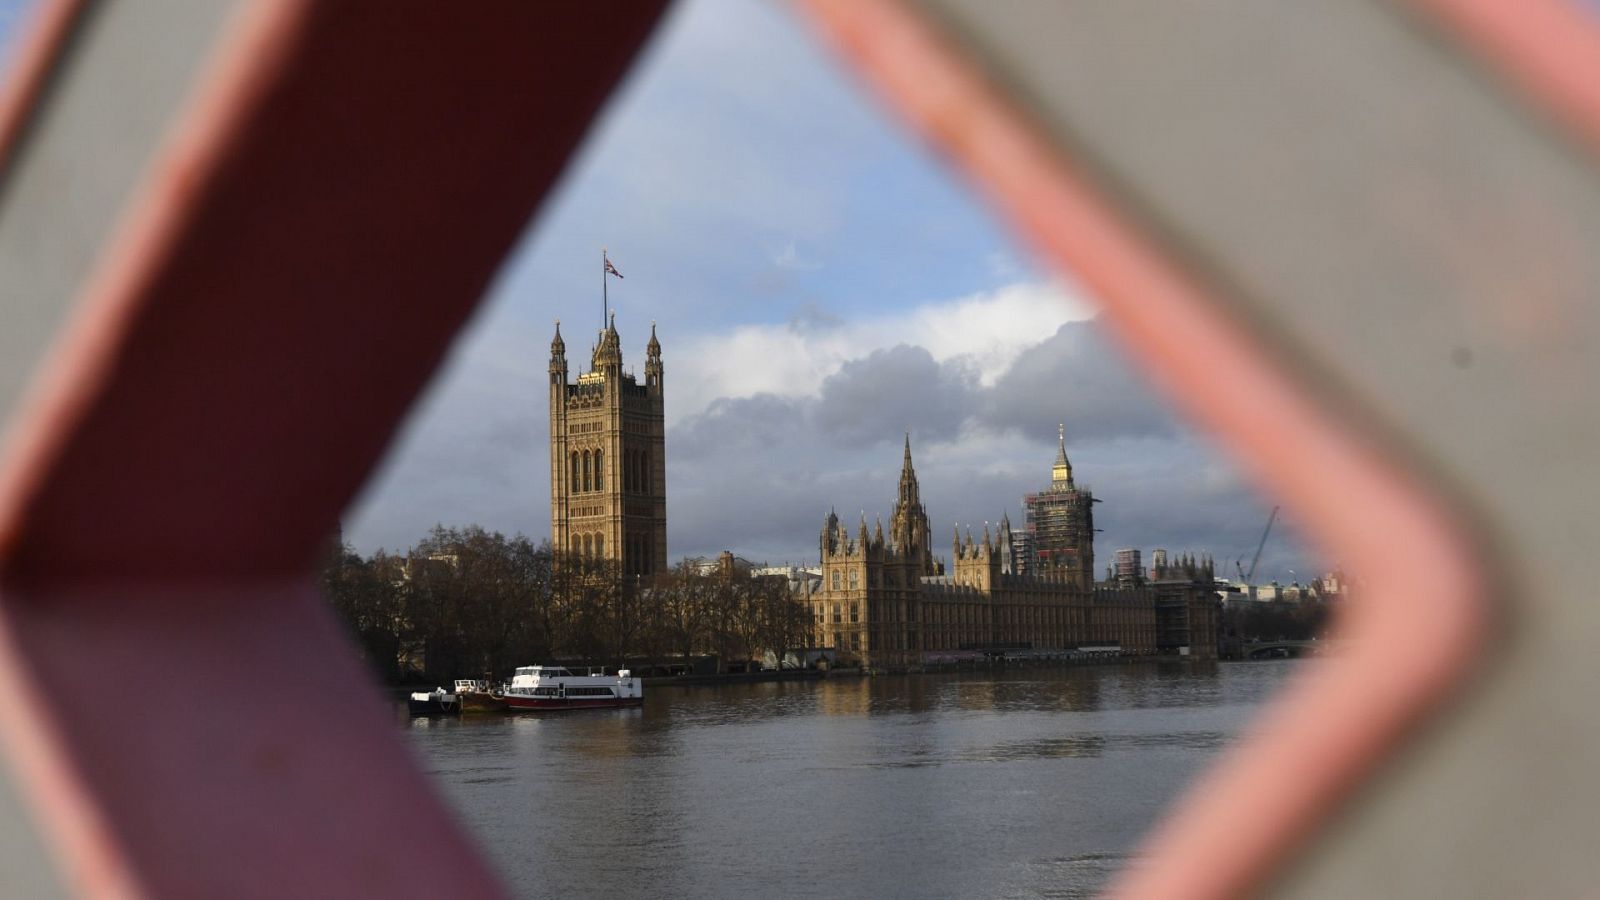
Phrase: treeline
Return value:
(1278, 620)
(469, 603)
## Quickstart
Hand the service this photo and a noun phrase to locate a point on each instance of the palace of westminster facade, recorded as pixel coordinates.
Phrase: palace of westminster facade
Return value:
(888, 603)
(885, 601)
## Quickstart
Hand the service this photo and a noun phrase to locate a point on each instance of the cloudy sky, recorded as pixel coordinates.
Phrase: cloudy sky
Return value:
(821, 284)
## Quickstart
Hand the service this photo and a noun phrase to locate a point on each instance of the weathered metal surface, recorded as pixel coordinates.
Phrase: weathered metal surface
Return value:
(1359, 253)
(320, 213)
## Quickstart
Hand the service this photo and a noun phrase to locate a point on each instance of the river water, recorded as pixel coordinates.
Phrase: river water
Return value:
(1024, 783)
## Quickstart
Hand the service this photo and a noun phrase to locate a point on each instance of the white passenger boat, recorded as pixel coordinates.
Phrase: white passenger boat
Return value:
(556, 687)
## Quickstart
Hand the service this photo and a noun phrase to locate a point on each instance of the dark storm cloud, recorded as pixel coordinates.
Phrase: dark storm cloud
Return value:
(761, 424)
(758, 474)
(903, 387)
(1076, 376)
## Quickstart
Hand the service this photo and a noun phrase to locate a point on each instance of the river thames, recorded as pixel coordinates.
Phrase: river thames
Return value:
(1026, 783)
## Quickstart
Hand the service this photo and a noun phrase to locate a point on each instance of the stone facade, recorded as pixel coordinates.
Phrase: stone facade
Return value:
(887, 603)
(608, 467)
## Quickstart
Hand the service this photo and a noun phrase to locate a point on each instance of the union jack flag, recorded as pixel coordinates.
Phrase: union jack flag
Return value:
(610, 269)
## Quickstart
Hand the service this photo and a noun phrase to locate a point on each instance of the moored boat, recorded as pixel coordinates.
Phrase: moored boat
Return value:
(437, 702)
(556, 687)
(477, 696)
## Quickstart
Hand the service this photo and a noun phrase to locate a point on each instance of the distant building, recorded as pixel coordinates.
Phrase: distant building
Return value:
(802, 581)
(608, 468)
(1022, 558)
(1332, 586)
(1127, 569)
(725, 564)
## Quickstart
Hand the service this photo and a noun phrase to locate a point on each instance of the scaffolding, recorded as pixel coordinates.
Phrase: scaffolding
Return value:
(1061, 522)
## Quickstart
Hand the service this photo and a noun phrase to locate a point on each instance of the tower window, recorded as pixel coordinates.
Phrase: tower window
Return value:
(599, 469)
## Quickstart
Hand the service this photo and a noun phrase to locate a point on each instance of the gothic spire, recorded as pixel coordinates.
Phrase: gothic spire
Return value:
(909, 495)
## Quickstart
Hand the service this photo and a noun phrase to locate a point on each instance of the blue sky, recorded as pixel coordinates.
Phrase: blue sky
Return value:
(821, 283)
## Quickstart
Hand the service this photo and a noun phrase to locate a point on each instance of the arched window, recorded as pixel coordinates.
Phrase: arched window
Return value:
(574, 482)
(599, 470)
(588, 476)
(599, 545)
(855, 579)
(577, 544)
(629, 479)
(588, 546)
(644, 471)
(836, 581)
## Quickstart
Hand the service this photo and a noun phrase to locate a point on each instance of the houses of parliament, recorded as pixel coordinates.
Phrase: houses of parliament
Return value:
(885, 601)
(888, 603)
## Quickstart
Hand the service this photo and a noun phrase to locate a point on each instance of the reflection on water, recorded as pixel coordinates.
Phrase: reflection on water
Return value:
(1025, 783)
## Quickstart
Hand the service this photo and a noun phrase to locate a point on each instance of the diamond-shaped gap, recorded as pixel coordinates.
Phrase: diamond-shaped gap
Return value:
(819, 285)
(1341, 476)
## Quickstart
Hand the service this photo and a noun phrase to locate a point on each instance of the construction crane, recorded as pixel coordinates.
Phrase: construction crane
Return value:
(1239, 563)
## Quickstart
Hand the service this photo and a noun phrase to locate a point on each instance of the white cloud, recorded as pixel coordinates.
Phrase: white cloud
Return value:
(988, 331)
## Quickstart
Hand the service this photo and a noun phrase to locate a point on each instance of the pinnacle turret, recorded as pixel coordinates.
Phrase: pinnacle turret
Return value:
(1062, 470)
(608, 353)
(652, 362)
(558, 358)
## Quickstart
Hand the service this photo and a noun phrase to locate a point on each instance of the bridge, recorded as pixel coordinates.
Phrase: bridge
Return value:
(1284, 649)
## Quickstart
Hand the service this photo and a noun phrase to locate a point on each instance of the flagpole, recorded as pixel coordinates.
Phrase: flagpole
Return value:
(605, 302)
